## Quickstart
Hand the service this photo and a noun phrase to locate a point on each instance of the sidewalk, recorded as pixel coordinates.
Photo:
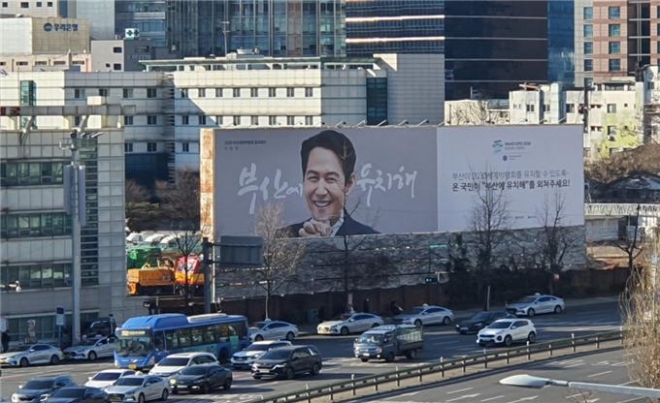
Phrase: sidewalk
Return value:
(310, 330)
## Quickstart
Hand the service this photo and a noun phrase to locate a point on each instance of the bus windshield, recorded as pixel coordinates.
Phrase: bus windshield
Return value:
(133, 346)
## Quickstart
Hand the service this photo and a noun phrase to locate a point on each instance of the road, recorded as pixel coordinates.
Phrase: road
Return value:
(440, 341)
(607, 367)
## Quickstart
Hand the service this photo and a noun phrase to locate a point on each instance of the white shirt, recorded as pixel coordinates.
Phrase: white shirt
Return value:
(337, 225)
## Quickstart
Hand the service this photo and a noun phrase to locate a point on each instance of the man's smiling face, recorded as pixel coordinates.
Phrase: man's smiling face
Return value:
(325, 186)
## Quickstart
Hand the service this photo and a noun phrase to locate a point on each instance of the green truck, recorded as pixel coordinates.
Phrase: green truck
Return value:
(389, 341)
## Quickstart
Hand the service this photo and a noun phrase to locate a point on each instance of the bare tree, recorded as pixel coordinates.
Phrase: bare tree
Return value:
(629, 243)
(280, 255)
(139, 211)
(474, 112)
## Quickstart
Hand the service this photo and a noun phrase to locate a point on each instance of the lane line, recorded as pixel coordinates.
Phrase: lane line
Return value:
(598, 374)
(493, 398)
(459, 390)
(574, 365)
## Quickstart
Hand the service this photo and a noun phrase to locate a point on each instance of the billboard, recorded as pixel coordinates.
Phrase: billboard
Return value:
(406, 179)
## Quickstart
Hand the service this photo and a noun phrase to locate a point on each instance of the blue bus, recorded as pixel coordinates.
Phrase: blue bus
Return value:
(145, 340)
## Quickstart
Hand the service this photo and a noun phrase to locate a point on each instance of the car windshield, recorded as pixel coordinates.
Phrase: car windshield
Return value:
(481, 316)
(527, 299)
(69, 392)
(88, 342)
(194, 370)
(106, 376)
(257, 347)
(134, 346)
(258, 325)
(370, 338)
(129, 382)
(343, 316)
(276, 355)
(416, 310)
(173, 362)
(19, 348)
(39, 384)
(500, 325)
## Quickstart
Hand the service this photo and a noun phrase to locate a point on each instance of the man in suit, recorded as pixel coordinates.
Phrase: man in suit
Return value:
(328, 164)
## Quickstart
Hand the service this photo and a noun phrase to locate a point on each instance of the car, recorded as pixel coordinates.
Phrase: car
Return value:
(273, 330)
(354, 322)
(174, 363)
(537, 303)
(77, 394)
(480, 320)
(29, 354)
(107, 377)
(41, 385)
(425, 315)
(138, 388)
(201, 378)
(91, 349)
(507, 332)
(244, 359)
(287, 362)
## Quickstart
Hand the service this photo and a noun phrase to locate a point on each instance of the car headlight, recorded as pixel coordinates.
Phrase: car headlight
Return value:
(173, 381)
(14, 398)
(152, 360)
(333, 328)
(279, 366)
(379, 350)
(478, 324)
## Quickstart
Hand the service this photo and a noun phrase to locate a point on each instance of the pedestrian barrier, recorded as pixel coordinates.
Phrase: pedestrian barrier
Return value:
(443, 369)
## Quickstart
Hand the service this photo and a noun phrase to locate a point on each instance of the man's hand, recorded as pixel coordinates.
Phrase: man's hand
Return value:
(315, 228)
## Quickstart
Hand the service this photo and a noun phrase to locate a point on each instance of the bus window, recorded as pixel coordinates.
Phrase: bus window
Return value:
(197, 336)
(171, 339)
(209, 336)
(158, 341)
(223, 333)
(184, 338)
(240, 329)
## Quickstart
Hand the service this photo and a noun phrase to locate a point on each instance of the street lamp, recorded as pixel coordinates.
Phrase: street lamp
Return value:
(535, 382)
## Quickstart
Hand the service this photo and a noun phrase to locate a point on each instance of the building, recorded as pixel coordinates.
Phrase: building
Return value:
(41, 9)
(36, 232)
(124, 54)
(561, 42)
(51, 35)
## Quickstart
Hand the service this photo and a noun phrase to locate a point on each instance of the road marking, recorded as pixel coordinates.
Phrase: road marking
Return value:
(593, 400)
(408, 394)
(524, 399)
(620, 364)
(459, 391)
(577, 364)
(493, 398)
(598, 374)
(632, 400)
(463, 397)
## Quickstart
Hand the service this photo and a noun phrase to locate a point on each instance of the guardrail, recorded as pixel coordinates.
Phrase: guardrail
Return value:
(457, 366)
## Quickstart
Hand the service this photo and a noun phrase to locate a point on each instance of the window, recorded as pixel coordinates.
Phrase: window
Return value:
(613, 13)
(611, 108)
(219, 120)
(31, 173)
(570, 108)
(127, 93)
(657, 11)
(39, 4)
(614, 30)
(116, 66)
(49, 4)
(151, 93)
(588, 13)
(614, 65)
(290, 120)
(614, 48)
(588, 48)
(128, 147)
(117, 49)
(254, 120)
(588, 31)
(290, 92)
(612, 130)
(151, 147)
(309, 92)
(272, 120)
(152, 120)
(128, 120)
(5, 4)
(236, 93)
(38, 276)
(254, 92)
(309, 120)
(185, 120)
(236, 121)
(185, 147)
(530, 108)
(25, 4)
(201, 92)
(588, 65)
(79, 93)
(201, 119)
(272, 92)
(218, 92)
(77, 120)
(34, 225)
(184, 92)
(103, 92)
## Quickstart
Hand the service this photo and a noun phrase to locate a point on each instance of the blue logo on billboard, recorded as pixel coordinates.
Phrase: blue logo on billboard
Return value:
(48, 27)
(498, 146)
(504, 158)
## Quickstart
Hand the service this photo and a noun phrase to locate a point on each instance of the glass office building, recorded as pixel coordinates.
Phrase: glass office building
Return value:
(148, 16)
(561, 42)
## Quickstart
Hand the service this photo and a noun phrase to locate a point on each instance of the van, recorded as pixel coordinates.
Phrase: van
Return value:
(389, 341)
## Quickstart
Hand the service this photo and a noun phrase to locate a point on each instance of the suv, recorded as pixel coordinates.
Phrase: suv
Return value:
(287, 362)
(507, 331)
(244, 359)
(41, 385)
(174, 363)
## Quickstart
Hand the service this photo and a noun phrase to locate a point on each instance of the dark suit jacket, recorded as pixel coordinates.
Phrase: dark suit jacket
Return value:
(348, 227)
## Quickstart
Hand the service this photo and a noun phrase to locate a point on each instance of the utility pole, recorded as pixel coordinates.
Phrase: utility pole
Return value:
(225, 31)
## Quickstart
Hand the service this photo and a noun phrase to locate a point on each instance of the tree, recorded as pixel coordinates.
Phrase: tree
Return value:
(280, 255)
(474, 112)
(139, 211)
(629, 243)
(620, 165)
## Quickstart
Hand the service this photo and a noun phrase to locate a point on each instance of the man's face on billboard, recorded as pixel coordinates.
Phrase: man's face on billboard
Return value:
(325, 185)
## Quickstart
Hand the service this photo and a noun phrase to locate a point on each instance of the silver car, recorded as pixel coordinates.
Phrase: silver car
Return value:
(91, 349)
(29, 354)
(138, 388)
(356, 322)
(537, 303)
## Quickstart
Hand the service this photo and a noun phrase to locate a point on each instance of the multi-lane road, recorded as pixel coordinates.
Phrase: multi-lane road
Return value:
(440, 341)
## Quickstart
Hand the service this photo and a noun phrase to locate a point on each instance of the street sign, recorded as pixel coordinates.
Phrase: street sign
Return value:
(59, 316)
(241, 251)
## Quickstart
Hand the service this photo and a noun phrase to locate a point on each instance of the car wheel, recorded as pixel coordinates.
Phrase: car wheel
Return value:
(204, 388)
(290, 336)
(418, 323)
(223, 357)
(91, 356)
(364, 359)
(390, 357)
(256, 377)
(258, 337)
(507, 341)
(141, 398)
(531, 337)
(482, 344)
(289, 373)
(558, 309)
(344, 331)
(531, 312)
(54, 360)
(175, 391)
(316, 368)
(165, 395)
(24, 362)
(446, 320)
(227, 384)
(411, 354)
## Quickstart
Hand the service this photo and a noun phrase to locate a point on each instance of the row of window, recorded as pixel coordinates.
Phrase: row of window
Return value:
(612, 65)
(613, 48)
(202, 335)
(38, 276)
(613, 30)
(26, 4)
(613, 13)
(31, 173)
(45, 326)
(34, 225)
(611, 108)
(237, 92)
(202, 120)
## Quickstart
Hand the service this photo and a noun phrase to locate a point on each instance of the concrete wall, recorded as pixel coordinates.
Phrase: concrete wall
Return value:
(73, 37)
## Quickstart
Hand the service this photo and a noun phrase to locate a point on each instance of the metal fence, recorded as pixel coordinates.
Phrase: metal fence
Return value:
(455, 367)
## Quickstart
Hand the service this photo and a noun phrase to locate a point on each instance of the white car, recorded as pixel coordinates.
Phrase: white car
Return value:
(138, 388)
(244, 359)
(346, 323)
(426, 315)
(28, 354)
(507, 331)
(107, 377)
(174, 363)
(91, 349)
(537, 303)
(273, 330)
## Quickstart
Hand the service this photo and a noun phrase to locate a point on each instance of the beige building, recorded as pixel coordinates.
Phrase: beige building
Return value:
(52, 35)
(32, 8)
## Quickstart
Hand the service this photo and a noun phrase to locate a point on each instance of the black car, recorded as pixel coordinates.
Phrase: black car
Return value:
(77, 394)
(41, 385)
(480, 320)
(288, 362)
(201, 378)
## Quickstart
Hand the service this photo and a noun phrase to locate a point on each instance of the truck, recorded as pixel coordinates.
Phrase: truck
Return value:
(389, 341)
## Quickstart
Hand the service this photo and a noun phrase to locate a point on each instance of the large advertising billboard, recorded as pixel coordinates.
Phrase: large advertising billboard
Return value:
(387, 179)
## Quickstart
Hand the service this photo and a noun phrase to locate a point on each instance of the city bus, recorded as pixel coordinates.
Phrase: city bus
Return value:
(145, 340)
